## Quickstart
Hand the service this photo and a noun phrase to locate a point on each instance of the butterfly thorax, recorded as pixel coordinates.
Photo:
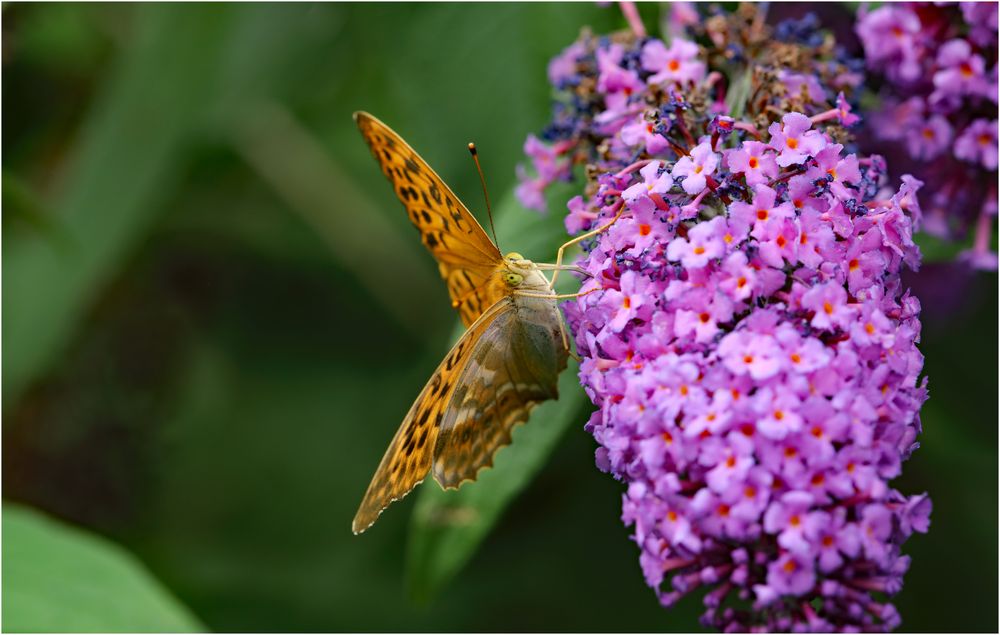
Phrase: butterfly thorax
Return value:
(520, 274)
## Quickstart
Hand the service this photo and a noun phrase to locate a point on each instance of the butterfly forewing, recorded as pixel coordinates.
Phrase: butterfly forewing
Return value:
(411, 452)
(467, 259)
(513, 366)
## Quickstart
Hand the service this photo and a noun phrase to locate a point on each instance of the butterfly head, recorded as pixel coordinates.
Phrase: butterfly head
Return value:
(519, 272)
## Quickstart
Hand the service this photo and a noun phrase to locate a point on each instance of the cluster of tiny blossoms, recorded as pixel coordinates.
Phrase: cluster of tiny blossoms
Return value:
(939, 102)
(746, 339)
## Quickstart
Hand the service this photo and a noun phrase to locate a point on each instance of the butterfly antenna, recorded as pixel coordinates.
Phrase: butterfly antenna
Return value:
(486, 194)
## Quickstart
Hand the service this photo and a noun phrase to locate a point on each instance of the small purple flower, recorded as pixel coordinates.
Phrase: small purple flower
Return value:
(930, 138)
(962, 72)
(794, 140)
(828, 302)
(791, 574)
(640, 132)
(798, 84)
(703, 244)
(679, 63)
(890, 35)
(847, 118)
(562, 68)
(754, 160)
(978, 143)
(982, 20)
(694, 168)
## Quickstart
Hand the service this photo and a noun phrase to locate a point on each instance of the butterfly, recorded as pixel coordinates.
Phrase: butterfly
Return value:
(507, 361)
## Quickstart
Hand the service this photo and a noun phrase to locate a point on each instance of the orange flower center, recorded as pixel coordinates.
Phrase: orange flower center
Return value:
(753, 162)
(674, 65)
(792, 143)
(627, 302)
(644, 230)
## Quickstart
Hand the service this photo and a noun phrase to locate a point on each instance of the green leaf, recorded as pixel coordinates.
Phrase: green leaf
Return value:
(448, 526)
(58, 578)
(120, 169)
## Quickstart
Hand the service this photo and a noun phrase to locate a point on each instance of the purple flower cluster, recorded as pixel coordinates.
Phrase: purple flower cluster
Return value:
(745, 338)
(939, 102)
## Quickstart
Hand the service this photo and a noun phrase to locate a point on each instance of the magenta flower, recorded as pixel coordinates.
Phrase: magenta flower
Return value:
(930, 138)
(694, 168)
(962, 72)
(679, 63)
(890, 35)
(794, 140)
(754, 161)
(978, 143)
(640, 132)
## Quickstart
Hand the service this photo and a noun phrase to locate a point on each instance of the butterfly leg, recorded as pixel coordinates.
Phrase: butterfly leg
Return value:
(565, 338)
(557, 296)
(544, 266)
(559, 254)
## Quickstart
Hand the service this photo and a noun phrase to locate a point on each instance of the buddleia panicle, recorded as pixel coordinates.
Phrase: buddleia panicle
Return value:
(937, 110)
(750, 348)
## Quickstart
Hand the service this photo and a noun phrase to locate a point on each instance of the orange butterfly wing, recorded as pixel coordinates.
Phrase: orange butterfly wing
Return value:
(411, 452)
(514, 366)
(468, 260)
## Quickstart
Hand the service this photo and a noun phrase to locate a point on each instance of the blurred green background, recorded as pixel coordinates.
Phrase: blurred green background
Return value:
(215, 316)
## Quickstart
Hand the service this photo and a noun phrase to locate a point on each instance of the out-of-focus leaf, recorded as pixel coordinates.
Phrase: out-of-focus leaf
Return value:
(58, 579)
(20, 204)
(125, 158)
(448, 526)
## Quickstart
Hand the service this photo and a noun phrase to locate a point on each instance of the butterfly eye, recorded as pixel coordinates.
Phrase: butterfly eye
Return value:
(513, 279)
(514, 256)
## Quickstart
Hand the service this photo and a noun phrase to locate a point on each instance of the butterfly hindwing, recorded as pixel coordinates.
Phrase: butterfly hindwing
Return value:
(467, 258)
(513, 366)
(410, 454)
